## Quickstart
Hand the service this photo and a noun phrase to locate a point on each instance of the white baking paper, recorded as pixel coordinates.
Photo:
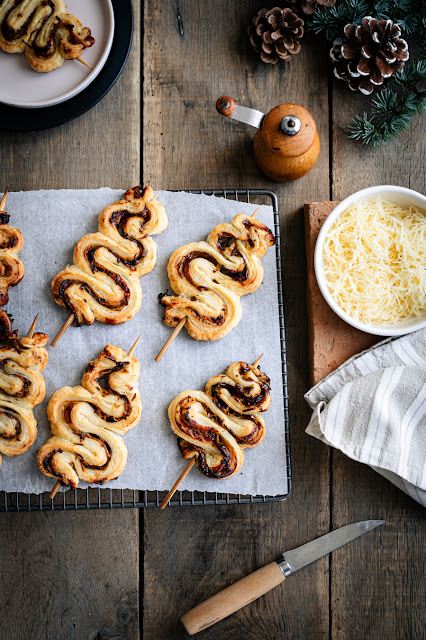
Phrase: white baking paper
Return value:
(52, 222)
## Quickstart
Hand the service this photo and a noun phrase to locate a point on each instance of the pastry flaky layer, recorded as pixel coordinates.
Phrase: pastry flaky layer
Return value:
(87, 421)
(217, 424)
(11, 268)
(44, 31)
(210, 277)
(103, 283)
(22, 387)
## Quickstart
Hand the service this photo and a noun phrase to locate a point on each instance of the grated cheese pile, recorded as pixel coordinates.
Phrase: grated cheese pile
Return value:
(375, 262)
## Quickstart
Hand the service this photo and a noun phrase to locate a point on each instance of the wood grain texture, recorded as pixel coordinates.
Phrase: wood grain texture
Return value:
(233, 598)
(377, 586)
(195, 52)
(75, 575)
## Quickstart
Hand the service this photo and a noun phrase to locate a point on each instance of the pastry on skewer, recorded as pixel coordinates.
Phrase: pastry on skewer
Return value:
(88, 421)
(215, 425)
(11, 242)
(103, 283)
(22, 388)
(44, 31)
(210, 277)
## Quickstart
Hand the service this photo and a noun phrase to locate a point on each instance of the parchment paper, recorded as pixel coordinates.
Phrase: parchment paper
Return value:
(52, 222)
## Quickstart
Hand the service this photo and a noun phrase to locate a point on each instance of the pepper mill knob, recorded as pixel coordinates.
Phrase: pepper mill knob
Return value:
(286, 145)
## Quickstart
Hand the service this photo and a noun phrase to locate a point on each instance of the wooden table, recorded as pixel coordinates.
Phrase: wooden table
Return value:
(128, 574)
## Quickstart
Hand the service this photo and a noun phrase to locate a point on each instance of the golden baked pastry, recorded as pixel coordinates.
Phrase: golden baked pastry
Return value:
(11, 268)
(87, 421)
(5, 325)
(103, 284)
(210, 277)
(44, 31)
(217, 424)
(22, 387)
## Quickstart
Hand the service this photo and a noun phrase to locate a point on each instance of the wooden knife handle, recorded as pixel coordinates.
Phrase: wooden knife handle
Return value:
(233, 598)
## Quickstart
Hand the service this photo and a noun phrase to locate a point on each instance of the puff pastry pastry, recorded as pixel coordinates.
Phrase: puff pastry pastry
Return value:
(11, 268)
(43, 30)
(22, 387)
(103, 284)
(88, 421)
(217, 424)
(210, 277)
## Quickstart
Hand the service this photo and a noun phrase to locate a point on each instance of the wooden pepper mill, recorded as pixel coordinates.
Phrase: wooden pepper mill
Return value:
(286, 145)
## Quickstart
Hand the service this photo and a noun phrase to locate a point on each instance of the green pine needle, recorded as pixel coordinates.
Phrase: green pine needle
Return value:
(393, 109)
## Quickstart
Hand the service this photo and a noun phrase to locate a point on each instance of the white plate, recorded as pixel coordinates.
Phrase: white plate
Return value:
(21, 86)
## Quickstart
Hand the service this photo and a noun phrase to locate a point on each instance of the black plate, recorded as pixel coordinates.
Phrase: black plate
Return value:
(18, 119)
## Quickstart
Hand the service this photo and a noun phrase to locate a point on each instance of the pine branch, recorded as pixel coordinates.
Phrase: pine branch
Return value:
(393, 111)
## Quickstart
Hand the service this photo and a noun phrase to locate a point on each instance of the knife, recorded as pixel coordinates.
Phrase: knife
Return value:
(263, 580)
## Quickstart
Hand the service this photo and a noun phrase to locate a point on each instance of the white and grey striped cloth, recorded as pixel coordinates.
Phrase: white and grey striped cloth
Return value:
(373, 408)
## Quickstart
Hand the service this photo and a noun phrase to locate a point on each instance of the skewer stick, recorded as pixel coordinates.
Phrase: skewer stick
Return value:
(3, 200)
(55, 490)
(173, 490)
(32, 328)
(62, 330)
(253, 215)
(84, 62)
(131, 351)
(169, 340)
(255, 364)
(188, 467)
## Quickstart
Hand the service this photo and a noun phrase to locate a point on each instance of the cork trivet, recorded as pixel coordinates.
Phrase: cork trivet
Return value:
(331, 340)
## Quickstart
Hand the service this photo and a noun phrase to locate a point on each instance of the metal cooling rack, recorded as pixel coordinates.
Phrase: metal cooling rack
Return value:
(101, 498)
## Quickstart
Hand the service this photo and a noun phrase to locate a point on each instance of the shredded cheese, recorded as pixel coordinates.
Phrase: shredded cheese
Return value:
(375, 262)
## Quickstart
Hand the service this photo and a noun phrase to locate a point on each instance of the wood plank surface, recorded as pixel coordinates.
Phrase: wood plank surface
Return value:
(377, 591)
(74, 575)
(195, 52)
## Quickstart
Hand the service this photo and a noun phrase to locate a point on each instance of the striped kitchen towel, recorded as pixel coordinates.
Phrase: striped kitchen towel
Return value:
(373, 408)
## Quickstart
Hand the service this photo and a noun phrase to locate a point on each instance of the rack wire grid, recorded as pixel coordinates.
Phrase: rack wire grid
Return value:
(104, 498)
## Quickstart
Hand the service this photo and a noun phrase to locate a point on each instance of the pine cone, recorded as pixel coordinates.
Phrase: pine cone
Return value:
(309, 6)
(275, 34)
(369, 54)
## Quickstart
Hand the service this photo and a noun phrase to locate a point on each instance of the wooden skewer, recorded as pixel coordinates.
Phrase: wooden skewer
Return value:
(55, 490)
(173, 490)
(253, 215)
(256, 364)
(32, 328)
(3, 200)
(131, 351)
(62, 330)
(84, 62)
(188, 467)
(169, 340)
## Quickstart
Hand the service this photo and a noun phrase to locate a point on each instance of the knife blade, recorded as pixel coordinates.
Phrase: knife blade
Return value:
(263, 580)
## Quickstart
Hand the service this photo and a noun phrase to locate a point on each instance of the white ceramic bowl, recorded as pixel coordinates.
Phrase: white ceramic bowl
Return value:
(398, 195)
